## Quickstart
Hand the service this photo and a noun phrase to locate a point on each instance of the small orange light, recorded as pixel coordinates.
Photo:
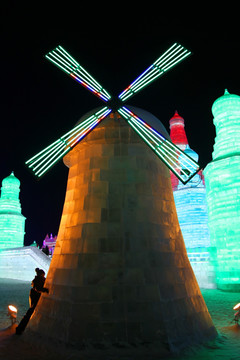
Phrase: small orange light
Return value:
(12, 308)
(12, 312)
(236, 307)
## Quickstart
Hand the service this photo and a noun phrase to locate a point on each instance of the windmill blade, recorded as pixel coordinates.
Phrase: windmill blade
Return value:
(45, 159)
(61, 58)
(174, 55)
(182, 165)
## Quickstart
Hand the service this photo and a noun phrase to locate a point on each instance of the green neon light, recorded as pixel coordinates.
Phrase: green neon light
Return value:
(166, 150)
(68, 55)
(44, 169)
(159, 67)
(167, 163)
(157, 150)
(168, 146)
(78, 68)
(46, 158)
(142, 76)
(176, 62)
(165, 56)
(56, 56)
(154, 74)
(67, 63)
(69, 69)
(163, 153)
(63, 139)
(145, 82)
(57, 64)
(67, 146)
(172, 149)
(171, 57)
(63, 151)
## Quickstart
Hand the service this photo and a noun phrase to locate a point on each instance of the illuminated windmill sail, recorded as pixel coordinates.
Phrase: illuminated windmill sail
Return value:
(170, 154)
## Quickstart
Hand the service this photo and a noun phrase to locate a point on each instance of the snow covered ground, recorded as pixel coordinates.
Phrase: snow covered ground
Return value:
(220, 304)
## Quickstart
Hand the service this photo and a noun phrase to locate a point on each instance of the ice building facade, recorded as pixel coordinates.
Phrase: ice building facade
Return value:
(50, 242)
(191, 205)
(222, 176)
(12, 222)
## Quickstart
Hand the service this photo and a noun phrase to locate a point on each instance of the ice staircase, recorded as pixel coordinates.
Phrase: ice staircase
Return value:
(20, 263)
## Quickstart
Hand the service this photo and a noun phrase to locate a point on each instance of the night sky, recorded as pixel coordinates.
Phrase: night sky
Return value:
(39, 102)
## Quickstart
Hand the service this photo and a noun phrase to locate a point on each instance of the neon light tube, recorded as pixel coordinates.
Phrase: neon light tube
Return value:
(67, 148)
(70, 71)
(171, 150)
(158, 65)
(160, 154)
(54, 62)
(161, 65)
(149, 68)
(63, 138)
(163, 147)
(155, 150)
(70, 145)
(47, 157)
(157, 147)
(158, 143)
(156, 72)
(65, 61)
(165, 56)
(78, 68)
(168, 146)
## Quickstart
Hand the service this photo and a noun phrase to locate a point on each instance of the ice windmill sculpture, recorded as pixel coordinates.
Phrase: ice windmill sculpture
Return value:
(183, 166)
(120, 273)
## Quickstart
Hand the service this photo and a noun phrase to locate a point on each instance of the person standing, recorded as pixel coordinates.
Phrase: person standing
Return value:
(34, 296)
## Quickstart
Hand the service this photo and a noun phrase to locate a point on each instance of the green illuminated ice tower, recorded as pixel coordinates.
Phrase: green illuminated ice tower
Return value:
(222, 177)
(12, 222)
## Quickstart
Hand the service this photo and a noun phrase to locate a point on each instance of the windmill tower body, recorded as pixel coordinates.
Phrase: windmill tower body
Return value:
(120, 273)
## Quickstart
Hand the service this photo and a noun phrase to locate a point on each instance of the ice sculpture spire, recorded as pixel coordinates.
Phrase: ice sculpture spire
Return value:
(177, 131)
(178, 137)
(12, 222)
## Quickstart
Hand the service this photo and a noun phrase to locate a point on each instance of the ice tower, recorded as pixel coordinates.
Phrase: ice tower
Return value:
(191, 205)
(222, 177)
(179, 138)
(12, 222)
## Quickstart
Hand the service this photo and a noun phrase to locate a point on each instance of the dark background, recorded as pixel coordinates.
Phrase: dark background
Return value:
(39, 102)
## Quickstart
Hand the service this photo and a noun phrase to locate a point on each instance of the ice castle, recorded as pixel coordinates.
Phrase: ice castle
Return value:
(191, 205)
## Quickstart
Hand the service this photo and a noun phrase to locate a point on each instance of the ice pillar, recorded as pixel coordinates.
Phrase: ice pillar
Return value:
(12, 222)
(222, 177)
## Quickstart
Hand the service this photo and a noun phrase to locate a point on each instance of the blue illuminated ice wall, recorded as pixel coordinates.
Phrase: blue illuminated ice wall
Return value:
(191, 206)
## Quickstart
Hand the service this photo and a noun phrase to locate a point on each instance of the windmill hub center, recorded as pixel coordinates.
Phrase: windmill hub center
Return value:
(114, 103)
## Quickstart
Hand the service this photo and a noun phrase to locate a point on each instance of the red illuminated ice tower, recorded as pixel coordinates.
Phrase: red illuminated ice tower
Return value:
(179, 138)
